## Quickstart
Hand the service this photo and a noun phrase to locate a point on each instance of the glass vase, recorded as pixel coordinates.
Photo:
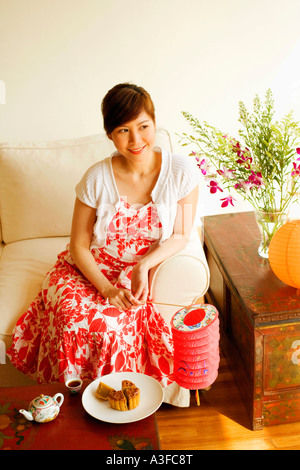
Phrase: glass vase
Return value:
(268, 223)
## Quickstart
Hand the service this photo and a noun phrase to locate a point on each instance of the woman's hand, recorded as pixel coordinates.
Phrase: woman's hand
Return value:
(139, 282)
(121, 298)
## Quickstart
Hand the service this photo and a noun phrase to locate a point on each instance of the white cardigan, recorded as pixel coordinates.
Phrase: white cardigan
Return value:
(178, 177)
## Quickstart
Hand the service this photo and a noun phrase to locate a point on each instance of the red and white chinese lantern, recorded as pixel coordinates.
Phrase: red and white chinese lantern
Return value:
(196, 337)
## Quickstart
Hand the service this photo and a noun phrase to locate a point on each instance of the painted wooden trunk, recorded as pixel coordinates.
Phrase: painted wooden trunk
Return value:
(260, 319)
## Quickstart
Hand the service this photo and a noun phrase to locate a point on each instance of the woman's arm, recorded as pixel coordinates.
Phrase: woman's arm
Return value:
(84, 218)
(183, 225)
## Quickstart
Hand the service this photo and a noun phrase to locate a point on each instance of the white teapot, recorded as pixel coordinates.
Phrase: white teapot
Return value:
(43, 408)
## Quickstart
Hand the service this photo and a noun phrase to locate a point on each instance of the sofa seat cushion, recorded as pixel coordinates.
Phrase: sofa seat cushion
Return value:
(23, 266)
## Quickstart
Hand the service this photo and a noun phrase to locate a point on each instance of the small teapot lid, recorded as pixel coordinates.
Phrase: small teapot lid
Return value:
(42, 401)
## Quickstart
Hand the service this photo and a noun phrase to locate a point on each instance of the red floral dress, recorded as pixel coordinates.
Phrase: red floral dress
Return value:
(69, 329)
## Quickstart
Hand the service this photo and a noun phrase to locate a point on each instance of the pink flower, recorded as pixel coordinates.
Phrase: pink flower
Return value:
(227, 200)
(226, 172)
(298, 151)
(213, 185)
(256, 178)
(245, 185)
(245, 160)
(204, 167)
(296, 170)
(237, 148)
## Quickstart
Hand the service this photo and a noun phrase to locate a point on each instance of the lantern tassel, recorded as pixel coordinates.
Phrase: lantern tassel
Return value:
(197, 397)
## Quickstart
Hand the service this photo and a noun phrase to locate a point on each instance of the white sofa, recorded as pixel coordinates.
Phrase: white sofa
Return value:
(37, 181)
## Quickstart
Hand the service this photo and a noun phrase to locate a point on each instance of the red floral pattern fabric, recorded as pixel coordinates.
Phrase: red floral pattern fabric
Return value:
(69, 329)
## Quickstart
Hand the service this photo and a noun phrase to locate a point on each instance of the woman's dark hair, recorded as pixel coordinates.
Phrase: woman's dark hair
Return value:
(123, 103)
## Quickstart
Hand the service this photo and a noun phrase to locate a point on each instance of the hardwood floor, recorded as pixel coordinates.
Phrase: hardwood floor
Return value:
(220, 423)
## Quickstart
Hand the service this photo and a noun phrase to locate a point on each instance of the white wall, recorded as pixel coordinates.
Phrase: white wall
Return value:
(59, 57)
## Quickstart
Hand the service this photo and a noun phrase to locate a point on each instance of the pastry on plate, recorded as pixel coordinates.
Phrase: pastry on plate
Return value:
(133, 397)
(122, 400)
(103, 391)
(127, 384)
(117, 400)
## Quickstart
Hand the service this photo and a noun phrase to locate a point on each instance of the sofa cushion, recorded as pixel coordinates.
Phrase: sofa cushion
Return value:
(37, 183)
(23, 266)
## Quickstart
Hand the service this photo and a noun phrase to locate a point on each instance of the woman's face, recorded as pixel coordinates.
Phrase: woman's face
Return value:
(135, 139)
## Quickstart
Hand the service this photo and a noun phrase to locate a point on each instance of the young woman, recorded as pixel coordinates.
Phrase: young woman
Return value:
(133, 210)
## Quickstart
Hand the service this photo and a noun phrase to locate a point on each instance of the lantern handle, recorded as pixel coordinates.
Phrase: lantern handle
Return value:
(169, 305)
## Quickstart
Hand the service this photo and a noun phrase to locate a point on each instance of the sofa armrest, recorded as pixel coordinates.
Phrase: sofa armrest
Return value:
(181, 279)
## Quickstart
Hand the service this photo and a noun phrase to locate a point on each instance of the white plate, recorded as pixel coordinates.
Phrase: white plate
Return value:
(151, 397)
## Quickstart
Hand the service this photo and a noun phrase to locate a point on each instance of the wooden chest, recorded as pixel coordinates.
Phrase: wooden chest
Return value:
(260, 319)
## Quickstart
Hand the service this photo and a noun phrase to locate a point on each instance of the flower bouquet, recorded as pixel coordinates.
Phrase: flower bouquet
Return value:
(263, 166)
